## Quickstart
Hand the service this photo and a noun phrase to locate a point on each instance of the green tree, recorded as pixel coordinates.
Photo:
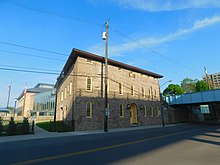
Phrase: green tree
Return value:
(12, 127)
(201, 86)
(25, 126)
(188, 85)
(173, 89)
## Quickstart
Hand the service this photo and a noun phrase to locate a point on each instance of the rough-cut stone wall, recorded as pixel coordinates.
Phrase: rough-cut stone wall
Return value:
(77, 102)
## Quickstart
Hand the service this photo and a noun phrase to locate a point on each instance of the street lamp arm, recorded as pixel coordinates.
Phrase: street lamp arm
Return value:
(165, 83)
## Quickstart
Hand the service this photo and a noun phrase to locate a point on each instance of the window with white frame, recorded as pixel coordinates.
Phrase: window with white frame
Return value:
(89, 83)
(120, 88)
(132, 90)
(61, 99)
(155, 93)
(158, 111)
(121, 110)
(145, 111)
(71, 84)
(88, 109)
(151, 111)
(143, 92)
(65, 93)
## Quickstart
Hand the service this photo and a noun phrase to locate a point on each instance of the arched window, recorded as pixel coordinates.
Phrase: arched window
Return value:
(121, 110)
(88, 109)
(145, 111)
(151, 111)
(158, 111)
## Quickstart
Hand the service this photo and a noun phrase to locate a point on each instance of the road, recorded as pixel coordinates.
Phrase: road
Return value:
(175, 145)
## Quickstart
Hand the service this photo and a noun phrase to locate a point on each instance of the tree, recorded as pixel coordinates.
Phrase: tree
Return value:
(201, 86)
(25, 126)
(12, 127)
(173, 89)
(188, 85)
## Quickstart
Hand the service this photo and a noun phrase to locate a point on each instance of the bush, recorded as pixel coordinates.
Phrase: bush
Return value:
(12, 127)
(25, 126)
(1, 125)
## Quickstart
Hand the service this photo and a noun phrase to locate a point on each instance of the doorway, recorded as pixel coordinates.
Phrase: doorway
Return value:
(133, 114)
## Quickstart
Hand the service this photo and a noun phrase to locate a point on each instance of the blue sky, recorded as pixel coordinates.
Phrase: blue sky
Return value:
(173, 38)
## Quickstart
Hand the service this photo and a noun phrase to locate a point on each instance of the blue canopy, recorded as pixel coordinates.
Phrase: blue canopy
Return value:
(4, 110)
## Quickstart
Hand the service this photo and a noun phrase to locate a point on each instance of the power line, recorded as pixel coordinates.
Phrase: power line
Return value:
(31, 55)
(50, 13)
(37, 49)
(20, 67)
(28, 71)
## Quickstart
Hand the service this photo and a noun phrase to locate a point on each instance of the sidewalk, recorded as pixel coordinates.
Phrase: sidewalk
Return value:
(41, 133)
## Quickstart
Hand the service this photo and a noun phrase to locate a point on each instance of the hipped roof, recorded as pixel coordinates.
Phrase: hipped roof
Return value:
(79, 53)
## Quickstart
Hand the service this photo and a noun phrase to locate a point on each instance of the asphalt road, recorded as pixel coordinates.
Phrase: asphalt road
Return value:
(176, 145)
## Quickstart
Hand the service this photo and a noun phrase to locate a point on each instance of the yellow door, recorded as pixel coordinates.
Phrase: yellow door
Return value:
(133, 114)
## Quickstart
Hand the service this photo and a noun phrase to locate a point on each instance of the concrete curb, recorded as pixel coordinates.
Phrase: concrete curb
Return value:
(41, 134)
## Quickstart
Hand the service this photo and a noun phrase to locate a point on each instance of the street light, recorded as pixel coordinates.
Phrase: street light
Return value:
(106, 112)
(16, 99)
(161, 102)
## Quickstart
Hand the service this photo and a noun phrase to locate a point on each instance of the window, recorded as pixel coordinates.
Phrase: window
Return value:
(132, 90)
(145, 111)
(151, 91)
(143, 92)
(65, 93)
(88, 109)
(155, 93)
(89, 84)
(121, 110)
(71, 84)
(41, 113)
(120, 89)
(151, 111)
(61, 99)
(158, 111)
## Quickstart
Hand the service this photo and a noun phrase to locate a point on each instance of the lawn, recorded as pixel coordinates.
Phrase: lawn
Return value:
(49, 126)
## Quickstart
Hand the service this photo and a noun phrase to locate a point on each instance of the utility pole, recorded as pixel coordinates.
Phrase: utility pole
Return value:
(106, 112)
(9, 93)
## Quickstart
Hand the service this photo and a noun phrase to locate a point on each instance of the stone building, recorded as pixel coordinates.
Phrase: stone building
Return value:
(133, 93)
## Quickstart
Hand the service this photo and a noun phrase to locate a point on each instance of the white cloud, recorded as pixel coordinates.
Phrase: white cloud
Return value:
(167, 5)
(149, 42)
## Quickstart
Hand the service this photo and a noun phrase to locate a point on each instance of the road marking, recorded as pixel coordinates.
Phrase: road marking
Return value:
(99, 149)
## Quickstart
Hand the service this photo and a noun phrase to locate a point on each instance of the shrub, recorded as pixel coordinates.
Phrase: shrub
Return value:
(25, 126)
(12, 127)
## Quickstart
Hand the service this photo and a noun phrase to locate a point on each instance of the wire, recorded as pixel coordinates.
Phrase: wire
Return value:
(20, 67)
(51, 13)
(37, 49)
(28, 71)
(31, 55)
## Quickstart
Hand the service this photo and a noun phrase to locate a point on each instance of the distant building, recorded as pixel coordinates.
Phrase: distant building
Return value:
(39, 100)
(213, 80)
(134, 95)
